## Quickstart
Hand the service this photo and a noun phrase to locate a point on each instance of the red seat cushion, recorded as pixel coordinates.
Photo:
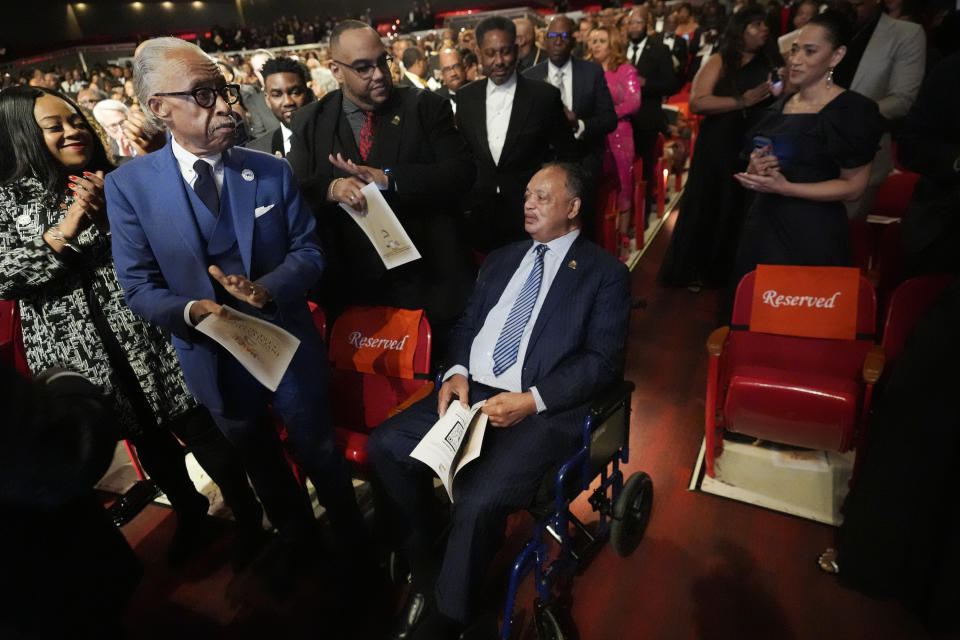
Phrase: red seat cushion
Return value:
(804, 409)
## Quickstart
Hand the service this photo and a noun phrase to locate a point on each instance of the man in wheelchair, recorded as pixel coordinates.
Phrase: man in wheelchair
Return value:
(543, 333)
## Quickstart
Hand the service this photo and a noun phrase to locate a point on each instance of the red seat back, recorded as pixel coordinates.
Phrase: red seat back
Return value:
(909, 301)
(11, 338)
(894, 194)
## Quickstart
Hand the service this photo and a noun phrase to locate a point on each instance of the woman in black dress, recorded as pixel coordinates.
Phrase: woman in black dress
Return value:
(822, 140)
(731, 90)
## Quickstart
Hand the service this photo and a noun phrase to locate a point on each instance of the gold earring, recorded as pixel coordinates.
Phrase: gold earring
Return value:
(830, 76)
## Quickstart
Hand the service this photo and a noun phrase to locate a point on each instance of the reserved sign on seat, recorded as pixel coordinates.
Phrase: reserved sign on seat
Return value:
(380, 340)
(809, 302)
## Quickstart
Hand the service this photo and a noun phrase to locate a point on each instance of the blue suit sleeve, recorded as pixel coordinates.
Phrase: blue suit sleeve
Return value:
(145, 289)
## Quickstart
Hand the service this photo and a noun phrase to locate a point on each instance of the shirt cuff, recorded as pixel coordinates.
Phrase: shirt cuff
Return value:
(541, 406)
(580, 129)
(186, 314)
(454, 370)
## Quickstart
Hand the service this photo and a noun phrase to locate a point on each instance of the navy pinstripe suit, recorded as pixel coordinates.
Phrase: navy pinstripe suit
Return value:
(576, 349)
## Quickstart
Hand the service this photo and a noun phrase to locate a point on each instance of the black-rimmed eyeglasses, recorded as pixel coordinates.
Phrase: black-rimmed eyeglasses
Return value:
(365, 68)
(206, 97)
(559, 34)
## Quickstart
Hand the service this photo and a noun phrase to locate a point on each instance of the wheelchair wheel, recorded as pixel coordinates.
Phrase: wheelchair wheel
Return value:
(631, 513)
(550, 622)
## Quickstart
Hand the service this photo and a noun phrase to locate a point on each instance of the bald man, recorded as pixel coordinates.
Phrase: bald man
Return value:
(453, 73)
(528, 53)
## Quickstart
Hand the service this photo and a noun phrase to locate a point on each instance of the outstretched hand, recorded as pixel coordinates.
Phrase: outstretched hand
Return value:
(363, 172)
(241, 288)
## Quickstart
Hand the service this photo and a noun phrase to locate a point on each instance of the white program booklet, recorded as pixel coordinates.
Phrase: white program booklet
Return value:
(382, 228)
(453, 442)
(264, 349)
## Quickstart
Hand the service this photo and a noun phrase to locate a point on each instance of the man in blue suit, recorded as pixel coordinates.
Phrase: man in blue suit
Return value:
(544, 331)
(200, 224)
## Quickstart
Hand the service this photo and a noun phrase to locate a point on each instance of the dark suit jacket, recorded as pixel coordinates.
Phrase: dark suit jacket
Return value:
(656, 68)
(271, 142)
(680, 51)
(537, 133)
(431, 164)
(591, 102)
(578, 341)
(259, 114)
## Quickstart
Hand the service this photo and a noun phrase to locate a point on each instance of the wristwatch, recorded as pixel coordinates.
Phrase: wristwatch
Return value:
(391, 181)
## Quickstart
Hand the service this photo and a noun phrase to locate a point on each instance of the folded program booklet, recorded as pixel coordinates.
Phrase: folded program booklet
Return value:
(381, 226)
(453, 442)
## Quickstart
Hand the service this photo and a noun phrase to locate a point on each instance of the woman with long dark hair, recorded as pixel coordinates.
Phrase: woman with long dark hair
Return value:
(731, 89)
(55, 261)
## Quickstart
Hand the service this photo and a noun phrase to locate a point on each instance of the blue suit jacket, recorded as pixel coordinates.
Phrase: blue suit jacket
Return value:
(577, 345)
(161, 261)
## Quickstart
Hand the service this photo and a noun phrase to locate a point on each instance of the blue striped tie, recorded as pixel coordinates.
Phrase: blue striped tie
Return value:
(508, 343)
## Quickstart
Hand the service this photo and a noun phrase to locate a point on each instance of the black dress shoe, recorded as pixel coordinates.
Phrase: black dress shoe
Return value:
(126, 507)
(413, 611)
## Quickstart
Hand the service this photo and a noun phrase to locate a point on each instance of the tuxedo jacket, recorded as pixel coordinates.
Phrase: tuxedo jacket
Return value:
(538, 132)
(577, 344)
(161, 257)
(591, 102)
(431, 166)
(271, 142)
(260, 116)
(656, 68)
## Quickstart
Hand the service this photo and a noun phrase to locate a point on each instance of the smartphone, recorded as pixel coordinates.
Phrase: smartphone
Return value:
(763, 143)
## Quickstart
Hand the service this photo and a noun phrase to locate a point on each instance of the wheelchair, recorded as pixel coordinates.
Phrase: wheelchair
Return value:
(624, 509)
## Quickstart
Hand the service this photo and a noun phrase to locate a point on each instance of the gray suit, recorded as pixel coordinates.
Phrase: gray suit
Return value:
(890, 72)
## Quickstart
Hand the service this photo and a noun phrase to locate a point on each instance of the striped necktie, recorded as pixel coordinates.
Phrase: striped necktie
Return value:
(508, 343)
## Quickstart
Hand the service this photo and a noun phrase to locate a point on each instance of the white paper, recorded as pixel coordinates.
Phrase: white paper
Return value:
(443, 448)
(813, 460)
(264, 349)
(382, 228)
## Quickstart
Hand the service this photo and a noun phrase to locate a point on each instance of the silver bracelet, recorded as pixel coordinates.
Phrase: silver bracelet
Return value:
(57, 235)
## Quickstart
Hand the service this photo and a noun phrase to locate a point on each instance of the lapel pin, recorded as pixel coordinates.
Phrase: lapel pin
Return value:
(396, 120)
(278, 154)
(247, 175)
(572, 264)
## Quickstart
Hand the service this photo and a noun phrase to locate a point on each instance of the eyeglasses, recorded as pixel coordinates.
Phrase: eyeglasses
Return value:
(452, 67)
(365, 68)
(206, 97)
(558, 34)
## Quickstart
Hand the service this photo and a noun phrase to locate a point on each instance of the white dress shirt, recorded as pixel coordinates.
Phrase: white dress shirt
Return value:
(481, 351)
(634, 51)
(185, 161)
(287, 134)
(499, 108)
(566, 87)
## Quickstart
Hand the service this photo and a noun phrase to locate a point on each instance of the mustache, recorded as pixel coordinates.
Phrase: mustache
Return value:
(222, 123)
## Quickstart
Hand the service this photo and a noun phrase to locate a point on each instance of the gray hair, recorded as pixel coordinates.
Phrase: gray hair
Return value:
(149, 62)
(109, 105)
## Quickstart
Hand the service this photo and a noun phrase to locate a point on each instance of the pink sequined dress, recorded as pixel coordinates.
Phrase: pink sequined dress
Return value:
(624, 87)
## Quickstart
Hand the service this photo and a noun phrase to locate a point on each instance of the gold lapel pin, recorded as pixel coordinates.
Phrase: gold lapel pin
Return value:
(278, 154)
(572, 264)
(396, 120)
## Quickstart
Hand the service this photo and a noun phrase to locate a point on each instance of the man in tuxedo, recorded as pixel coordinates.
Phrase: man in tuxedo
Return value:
(885, 61)
(405, 141)
(678, 47)
(453, 73)
(544, 332)
(654, 64)
(285, 81)
(415, 68)
(513, 125)
(529, 52)
(201, 224)
(585, 95)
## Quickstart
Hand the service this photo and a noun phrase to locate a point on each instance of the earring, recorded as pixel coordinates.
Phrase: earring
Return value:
(830, 76)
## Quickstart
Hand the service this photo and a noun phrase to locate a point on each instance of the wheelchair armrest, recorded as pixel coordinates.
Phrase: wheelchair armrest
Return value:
(610, 399)
(873, 364)
(716, 341)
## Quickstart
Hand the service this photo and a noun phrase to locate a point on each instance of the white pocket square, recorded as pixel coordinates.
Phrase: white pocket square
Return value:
(259, 211)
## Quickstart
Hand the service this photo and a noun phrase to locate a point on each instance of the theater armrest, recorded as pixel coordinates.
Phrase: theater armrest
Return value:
(416, 396)
(873, 364)
(716, 341)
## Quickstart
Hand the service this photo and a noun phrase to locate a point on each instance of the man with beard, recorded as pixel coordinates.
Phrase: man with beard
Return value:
(654, 64)
(201, 224)
(285, 91)
(404, 140)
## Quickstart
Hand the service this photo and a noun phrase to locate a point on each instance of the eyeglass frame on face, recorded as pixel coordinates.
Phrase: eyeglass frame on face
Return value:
(552, 35)
(367, 68)
(226, 92)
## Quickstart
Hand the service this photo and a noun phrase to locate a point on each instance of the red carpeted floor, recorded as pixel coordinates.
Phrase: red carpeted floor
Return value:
(708, 567)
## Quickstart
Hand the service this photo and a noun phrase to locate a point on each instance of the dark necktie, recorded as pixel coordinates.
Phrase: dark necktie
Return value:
(508, 343)
(366, 135)
(206, 187)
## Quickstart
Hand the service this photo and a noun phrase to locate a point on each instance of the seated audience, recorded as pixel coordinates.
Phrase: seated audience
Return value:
(285, 91)
(185, 244)
(885, 62)
(544, 331)
(55, 260)
(822, 141)
(606, 48)
(513, 125)
(731, 90)
(405, 141)
(88, 98)
(930, 146)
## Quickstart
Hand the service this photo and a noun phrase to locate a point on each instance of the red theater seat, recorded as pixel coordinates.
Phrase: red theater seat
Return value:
(907, 304)
(805, 392)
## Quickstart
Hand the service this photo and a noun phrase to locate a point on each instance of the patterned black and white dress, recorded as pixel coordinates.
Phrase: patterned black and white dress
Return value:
(74, 315)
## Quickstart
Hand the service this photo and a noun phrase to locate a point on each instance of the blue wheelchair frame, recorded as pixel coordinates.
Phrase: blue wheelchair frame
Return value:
(605, 446)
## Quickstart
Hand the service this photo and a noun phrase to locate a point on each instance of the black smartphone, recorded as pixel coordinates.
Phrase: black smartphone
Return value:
(763, 143)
